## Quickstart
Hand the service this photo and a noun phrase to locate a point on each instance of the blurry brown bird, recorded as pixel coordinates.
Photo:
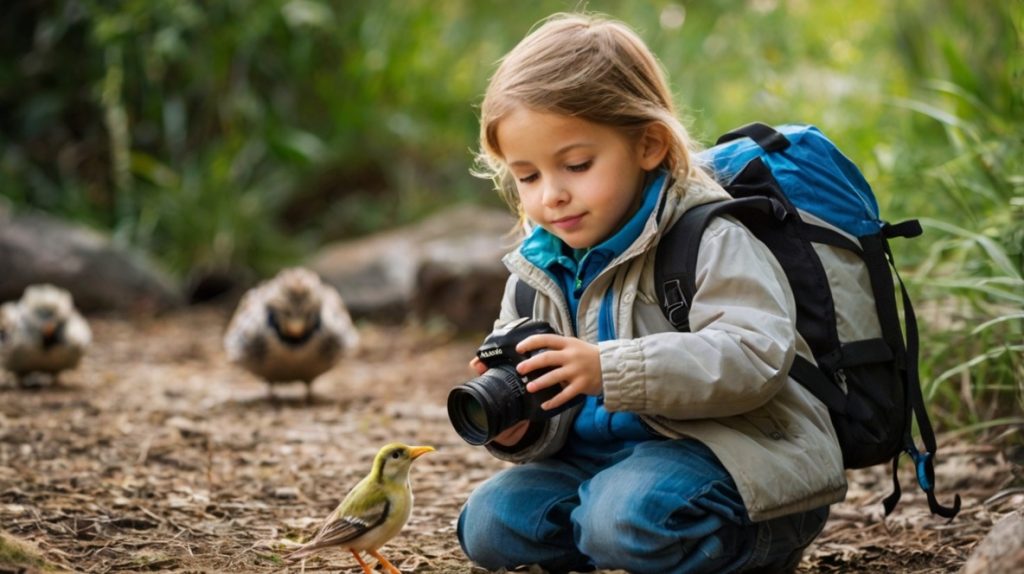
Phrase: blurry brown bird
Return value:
(293, 327)
(42, 333)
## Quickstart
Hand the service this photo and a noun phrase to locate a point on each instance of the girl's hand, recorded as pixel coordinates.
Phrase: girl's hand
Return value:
(513, 434)
(575, 364)
(477, 365)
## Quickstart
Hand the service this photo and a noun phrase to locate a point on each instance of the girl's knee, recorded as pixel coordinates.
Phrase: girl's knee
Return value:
(610, 533)
(477, 540)
(480, 527)
(501, 522)
(605, 544)
(651, 531)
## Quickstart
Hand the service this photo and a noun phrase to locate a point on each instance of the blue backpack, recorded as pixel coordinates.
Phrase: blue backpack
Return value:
(813, 209)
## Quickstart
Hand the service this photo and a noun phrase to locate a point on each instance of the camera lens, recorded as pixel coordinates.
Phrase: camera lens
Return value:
(471, 413)
(487, 405)
(475, 414)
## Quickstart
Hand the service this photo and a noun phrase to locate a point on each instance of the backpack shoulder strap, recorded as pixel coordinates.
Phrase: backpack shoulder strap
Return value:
(524, 297)
(675, 264)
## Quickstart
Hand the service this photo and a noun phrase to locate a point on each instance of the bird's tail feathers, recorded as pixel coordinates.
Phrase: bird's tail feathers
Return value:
(304, 551)
(298, 554)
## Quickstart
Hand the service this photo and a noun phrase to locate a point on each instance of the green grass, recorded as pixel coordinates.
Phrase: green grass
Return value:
(20, 556)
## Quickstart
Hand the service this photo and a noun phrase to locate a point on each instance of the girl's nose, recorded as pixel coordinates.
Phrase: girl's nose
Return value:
(555, 194)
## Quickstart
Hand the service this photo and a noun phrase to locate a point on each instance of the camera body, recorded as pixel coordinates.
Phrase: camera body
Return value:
(485, 406)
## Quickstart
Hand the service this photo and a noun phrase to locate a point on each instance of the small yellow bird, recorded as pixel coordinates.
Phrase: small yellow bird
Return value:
(373, 512)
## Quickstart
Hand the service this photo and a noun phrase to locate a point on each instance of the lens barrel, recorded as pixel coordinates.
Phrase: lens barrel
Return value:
(482, 408)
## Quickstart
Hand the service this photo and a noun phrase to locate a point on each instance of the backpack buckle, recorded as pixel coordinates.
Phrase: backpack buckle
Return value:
(920, 466)
(926, 480)
(677, 311)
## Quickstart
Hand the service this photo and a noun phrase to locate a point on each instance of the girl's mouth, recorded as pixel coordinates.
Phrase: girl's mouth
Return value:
(567, 223)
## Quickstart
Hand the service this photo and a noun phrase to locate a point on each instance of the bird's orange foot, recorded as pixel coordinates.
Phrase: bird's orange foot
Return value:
(366, 567)
(387, 565)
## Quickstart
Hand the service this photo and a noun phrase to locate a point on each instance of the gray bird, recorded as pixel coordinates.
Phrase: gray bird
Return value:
(293, 327)
(42, 333)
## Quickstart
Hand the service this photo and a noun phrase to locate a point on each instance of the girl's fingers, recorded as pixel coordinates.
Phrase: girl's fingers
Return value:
(555, 377)
(477, 365)
(535, 342)
(540, 361)
(567, 394)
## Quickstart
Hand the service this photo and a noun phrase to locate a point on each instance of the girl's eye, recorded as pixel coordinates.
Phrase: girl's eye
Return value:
(580, 166)
(528, 178)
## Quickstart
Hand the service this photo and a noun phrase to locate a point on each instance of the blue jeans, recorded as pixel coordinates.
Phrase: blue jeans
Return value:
(661, 506)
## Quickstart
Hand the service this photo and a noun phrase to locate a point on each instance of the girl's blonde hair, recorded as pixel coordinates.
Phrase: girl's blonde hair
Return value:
(588, 67)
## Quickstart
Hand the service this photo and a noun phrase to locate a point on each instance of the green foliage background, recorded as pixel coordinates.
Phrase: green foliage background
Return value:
(242, 134)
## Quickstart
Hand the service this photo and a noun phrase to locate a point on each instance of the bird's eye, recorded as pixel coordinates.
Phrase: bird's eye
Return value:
(396, 455)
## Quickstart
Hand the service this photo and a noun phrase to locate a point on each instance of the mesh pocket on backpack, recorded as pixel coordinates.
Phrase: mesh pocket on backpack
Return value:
(871, 430)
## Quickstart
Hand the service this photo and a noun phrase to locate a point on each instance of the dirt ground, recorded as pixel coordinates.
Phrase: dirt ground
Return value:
(157, 455)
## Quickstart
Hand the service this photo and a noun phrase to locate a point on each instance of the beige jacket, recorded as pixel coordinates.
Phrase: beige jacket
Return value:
(725, 383)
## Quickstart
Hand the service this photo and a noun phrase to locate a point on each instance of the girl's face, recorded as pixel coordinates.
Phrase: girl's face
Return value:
(579, 180)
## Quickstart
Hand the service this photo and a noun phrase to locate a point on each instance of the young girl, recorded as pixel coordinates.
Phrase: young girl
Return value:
(693, 452)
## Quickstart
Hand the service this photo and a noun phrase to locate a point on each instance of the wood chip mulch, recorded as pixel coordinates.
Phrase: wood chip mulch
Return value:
(157, 455)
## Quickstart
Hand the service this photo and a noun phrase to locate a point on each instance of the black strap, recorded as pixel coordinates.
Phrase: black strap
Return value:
(864, 352)
(763, 135)
(923, 462)
(909, 228)
(676, 259)
(876, 259)
(524, 298)
(824, 235)
(810, 376)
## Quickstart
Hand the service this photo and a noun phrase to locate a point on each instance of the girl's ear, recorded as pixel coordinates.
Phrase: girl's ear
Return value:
(652, 146)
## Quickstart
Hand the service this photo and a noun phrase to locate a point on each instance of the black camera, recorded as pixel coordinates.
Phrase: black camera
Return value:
(491, 403)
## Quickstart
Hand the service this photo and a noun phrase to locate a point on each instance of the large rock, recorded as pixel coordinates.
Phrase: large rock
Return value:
(36, 248)
(448, 266)
(1002, 549)
(463, 290)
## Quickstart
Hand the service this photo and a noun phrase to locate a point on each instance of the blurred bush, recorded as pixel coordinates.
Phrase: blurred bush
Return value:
(236, 133)
(221, 134)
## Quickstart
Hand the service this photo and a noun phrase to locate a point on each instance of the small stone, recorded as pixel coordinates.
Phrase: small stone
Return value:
(286, 493)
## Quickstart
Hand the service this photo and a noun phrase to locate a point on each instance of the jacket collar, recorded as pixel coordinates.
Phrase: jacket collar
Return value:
(673, 198)
(548, 252)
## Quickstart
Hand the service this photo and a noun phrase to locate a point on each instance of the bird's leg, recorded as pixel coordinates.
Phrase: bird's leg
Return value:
(387, 565)
(309, 392)
(366, 567)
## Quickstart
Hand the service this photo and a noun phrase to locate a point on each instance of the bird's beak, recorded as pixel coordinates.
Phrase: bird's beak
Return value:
(294, 328)
(49, 329)
(418, 451)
